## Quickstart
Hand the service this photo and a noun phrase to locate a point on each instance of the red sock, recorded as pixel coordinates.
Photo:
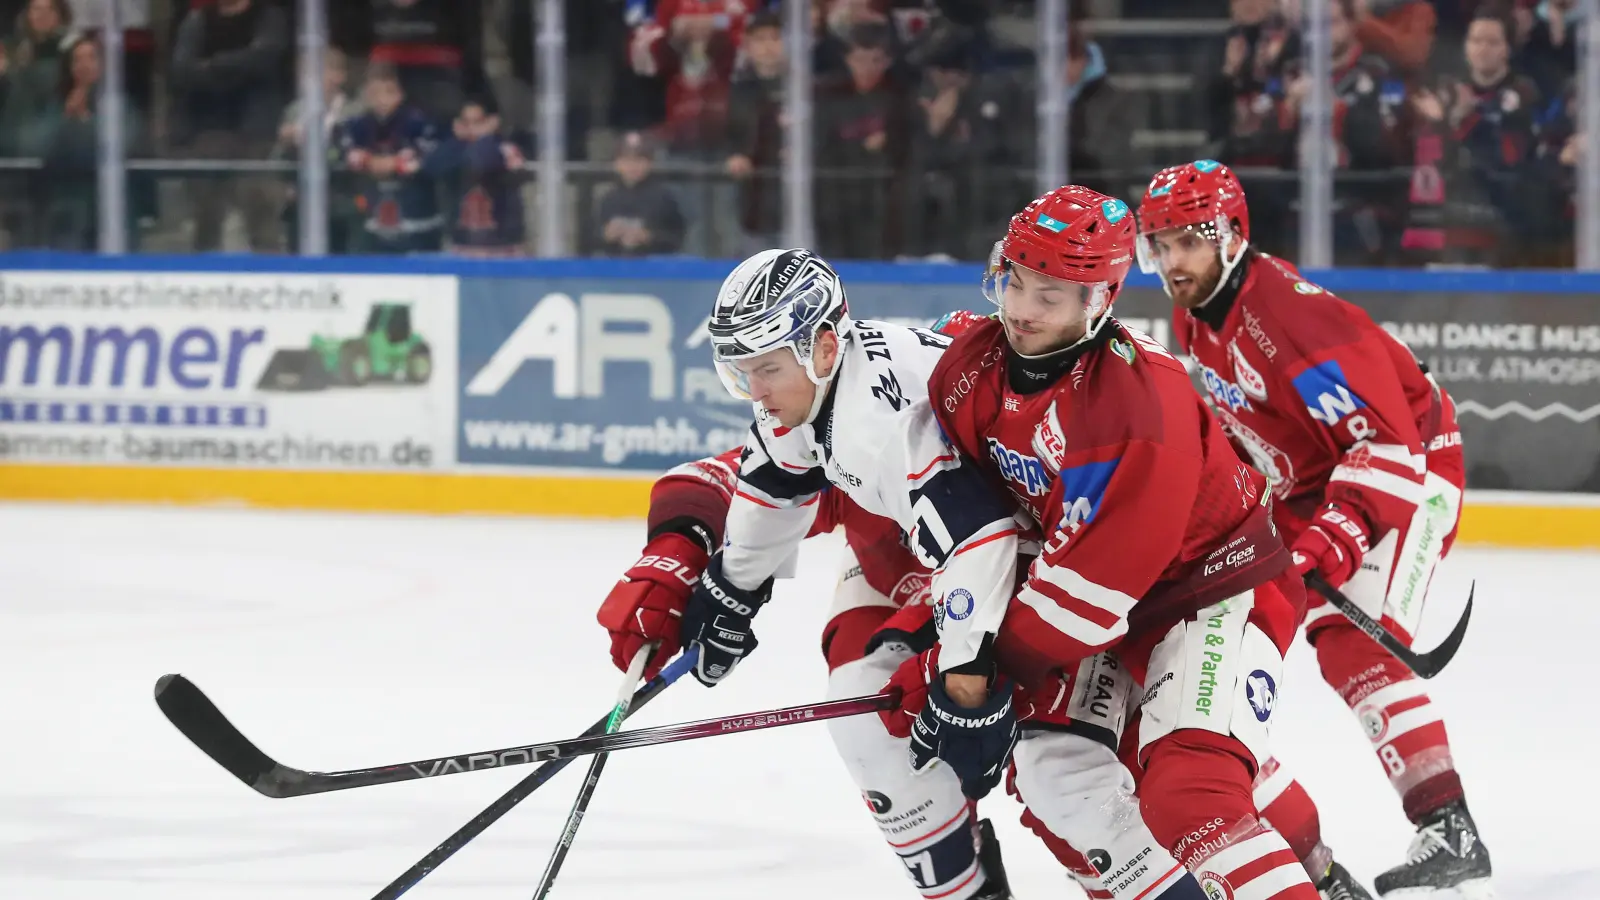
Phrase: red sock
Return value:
(1406, 729)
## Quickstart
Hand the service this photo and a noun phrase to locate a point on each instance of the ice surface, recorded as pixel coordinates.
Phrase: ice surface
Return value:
(338, 641)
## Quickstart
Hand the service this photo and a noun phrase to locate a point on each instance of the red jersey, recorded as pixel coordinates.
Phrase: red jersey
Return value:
(1324, 401)
(1147, 511)
(699, 492)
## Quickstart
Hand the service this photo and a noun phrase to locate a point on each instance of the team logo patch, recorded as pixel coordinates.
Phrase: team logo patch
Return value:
(1114, 211)
(1306, 287)
(1215, 886)
(1262, 692)
(1100, 859)
(1048, 440)
(1250, 381)
(877, 802)
(1374, 722)
(1123, 349)
(959, 604)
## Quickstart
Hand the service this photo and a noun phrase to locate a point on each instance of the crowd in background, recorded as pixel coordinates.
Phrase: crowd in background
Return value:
(1455, 122)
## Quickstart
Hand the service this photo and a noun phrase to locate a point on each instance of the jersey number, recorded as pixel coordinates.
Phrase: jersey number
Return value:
(932, 542)
(920, 868)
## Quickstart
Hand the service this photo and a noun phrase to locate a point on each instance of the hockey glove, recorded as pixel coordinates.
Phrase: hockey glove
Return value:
(718, 621)
(646, 605)
(975, 742)
(1332, 546)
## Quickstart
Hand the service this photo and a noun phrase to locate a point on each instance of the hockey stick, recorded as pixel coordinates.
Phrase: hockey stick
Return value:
(524, 788)
(586, 793)
(207, 728)
(1425, 665)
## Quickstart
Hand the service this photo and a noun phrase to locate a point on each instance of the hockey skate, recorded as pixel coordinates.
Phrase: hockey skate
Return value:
(1446, 859)
(1339, 884)
(995, 885)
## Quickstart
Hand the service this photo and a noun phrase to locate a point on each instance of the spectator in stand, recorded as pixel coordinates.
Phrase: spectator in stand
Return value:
(1368, 109)
(71, 175)
(228, 70)
(482, 173)
(755, 133)
(1474, 143)
(436, 49)
(1550, 56)
(1102, 117)
(1399, 31)
(1561, 149)
(31, 62)
(1260, 54)
(862, 129)
(693, 45)
(639, 215)
(386, 146)
(338, 107)
(1257, 51)
(954, 126)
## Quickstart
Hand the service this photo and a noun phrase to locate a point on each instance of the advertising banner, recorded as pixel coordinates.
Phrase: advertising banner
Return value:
(280, 371)
(615, 373)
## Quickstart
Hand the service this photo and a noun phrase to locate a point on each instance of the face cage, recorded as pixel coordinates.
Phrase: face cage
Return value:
(997, 278)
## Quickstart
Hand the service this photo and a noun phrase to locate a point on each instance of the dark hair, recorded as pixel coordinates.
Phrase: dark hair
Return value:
(382, 71)
(871, 36)
(764, 19)
(1493, 12)
(64, 83)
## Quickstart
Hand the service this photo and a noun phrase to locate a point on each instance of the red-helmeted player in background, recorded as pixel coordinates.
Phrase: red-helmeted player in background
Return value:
(1158, 544)
(1364, 456)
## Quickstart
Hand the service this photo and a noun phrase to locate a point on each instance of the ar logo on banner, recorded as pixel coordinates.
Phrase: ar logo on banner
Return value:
(576, 339)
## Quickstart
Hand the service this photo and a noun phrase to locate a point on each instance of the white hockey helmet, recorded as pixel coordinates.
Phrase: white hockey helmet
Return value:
(776, 299)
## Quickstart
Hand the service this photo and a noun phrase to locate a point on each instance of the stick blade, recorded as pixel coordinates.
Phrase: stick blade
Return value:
(1433, 662)
(199, 720)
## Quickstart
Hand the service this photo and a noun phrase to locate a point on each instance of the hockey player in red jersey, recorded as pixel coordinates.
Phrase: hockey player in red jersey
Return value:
(1364, 456)
(1158, 544)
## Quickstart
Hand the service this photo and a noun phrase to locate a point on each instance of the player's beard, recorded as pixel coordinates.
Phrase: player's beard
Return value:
(1196, 289)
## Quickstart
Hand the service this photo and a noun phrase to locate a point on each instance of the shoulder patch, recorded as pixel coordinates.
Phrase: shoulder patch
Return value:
(1123, 349)
(1306, 287)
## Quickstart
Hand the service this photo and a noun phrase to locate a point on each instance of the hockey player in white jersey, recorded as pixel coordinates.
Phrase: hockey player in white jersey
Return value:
(843, 403)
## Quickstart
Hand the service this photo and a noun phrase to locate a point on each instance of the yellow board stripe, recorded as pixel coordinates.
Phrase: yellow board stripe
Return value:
(1499, 523)
(406, 492)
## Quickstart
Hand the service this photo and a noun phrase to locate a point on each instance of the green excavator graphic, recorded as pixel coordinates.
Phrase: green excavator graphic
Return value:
(387, 351)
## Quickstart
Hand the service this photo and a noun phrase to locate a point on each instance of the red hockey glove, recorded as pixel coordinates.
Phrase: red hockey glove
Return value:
(646, 605)
(1332, 546)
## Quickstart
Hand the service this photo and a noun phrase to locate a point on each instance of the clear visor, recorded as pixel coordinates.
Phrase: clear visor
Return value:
(736, 380)
(1182, 247)
(1048, 302)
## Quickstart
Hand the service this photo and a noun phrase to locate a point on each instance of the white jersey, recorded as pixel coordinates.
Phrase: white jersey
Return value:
(876, 439)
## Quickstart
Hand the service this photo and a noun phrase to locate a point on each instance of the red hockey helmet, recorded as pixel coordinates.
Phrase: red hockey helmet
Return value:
(1203, 196)
(1074, 234)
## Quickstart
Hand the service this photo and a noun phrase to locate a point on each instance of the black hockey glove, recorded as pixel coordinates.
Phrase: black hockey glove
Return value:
(975, 743)
(718, 620)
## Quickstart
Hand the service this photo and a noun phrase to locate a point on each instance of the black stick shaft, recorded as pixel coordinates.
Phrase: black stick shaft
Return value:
(519, 792)
(1425, 665)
